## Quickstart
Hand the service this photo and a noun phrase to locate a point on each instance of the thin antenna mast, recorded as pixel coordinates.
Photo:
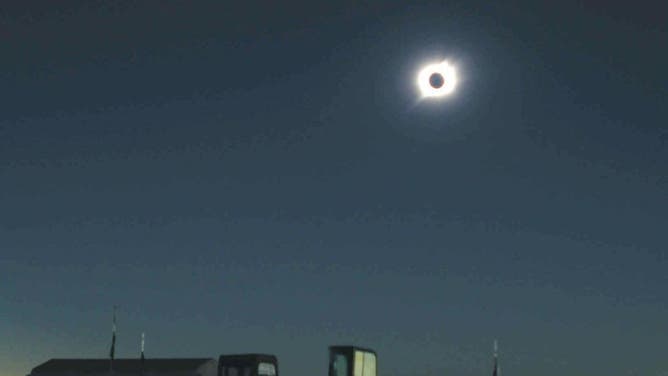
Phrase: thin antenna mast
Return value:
(112, 350)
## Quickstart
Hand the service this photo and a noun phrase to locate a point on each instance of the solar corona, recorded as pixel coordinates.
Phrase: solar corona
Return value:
(437, 80)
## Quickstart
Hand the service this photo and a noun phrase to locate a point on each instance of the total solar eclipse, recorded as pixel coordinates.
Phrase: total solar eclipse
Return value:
(437, 80)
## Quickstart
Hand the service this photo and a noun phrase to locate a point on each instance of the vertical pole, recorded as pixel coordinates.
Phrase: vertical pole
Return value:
(112, 350)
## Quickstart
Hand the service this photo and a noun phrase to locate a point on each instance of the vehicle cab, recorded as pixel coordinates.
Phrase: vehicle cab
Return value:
(248, 365)
(351, 361)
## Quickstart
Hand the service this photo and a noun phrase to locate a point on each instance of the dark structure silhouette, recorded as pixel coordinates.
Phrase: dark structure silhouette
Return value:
(94, 367)
(343, 361)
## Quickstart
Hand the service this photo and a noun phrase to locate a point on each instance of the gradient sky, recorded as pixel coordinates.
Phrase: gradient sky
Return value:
(265, 179)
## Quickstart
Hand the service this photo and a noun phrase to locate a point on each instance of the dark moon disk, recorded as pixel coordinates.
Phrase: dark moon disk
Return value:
(436, 80)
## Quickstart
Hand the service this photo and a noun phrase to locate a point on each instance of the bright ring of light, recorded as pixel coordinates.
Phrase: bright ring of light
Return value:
(446, 82)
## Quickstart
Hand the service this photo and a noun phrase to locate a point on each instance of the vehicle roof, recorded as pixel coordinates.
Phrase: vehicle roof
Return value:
(244, 358)
(351, 348)
(119, 365)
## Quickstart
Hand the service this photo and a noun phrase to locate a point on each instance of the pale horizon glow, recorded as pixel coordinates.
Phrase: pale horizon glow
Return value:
(449, 80)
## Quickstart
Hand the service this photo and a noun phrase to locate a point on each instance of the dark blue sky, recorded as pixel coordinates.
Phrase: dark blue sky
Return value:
(263, 178)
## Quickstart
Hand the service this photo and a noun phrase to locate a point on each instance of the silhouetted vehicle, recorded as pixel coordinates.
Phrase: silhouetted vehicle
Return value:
(343, 361)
